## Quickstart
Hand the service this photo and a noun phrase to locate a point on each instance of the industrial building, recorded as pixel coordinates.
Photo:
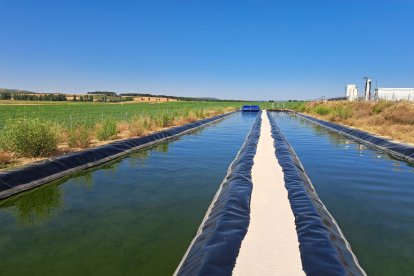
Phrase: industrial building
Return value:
(394, 94)
(351, 92)
(388, 94)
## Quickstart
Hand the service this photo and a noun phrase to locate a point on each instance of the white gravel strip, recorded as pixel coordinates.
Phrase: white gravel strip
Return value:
(271, 245)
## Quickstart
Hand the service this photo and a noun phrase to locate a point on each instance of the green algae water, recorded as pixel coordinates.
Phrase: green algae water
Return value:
(133, 216)
(369, 193)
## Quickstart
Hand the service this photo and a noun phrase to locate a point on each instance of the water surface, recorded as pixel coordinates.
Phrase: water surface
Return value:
(369, 193)
(134, 216)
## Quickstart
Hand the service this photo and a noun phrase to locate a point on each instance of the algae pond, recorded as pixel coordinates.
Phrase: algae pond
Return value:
(369, 193)
(137, 215)
(133, 216)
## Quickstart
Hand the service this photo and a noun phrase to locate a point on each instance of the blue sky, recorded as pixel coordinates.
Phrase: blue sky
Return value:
(227, 49)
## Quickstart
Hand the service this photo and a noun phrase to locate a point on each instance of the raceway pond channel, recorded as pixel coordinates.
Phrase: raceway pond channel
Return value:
(135, 215)
(369, 193)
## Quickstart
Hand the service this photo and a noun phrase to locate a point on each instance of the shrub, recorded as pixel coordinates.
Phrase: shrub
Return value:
(138, 126)
(61, 132)
(107, 130)
(361, 110)
(30, 137)
(179, 120)
(150, 123)
(322, 110)
(191, 117)
(5, 158)
(342, 112)
(300, 107)
(80, 137)
(157, 121)
(381, 106)
(199, 113)
(375, 120)
(402, 113)
(167, 120)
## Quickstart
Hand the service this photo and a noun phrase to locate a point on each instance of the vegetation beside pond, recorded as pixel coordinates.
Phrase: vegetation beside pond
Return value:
(394, 120)
(39, 133)
(30, 132)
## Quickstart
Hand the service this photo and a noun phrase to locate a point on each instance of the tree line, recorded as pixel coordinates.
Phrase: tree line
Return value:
(178, 98)
(32, 97)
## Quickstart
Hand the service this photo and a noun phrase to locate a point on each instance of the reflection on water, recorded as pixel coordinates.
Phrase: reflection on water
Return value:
(163, 147)
(39, 205)
(84, 179)
(340, 140)
(249, 115)
(369, 193)
(36, 208)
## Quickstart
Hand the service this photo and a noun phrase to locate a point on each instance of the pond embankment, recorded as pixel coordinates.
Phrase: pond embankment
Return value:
(392, 120)
(267, 219)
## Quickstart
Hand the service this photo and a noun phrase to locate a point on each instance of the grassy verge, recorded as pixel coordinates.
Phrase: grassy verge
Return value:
(394, 120)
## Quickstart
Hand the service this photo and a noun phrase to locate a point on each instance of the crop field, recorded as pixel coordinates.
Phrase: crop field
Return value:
(91, 113)
(43, 129)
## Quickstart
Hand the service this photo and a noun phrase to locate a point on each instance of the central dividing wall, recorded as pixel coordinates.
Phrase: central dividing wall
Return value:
(267, 219)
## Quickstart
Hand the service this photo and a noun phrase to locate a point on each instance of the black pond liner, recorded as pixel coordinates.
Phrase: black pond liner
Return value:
(215, 247)
(323, 248)
(398, 150)
(36, 174)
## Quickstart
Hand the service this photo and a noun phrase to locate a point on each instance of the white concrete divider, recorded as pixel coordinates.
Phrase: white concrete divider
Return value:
(271, 245)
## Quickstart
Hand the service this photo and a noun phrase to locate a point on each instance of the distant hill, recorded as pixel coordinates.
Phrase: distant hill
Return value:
(106, 93)
(179, 98)
(16, 91)
(114, 94)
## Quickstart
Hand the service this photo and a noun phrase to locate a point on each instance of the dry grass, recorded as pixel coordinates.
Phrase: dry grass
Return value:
(394, 120)
(138, 126)
(180, 120)
(191, 117)
(80, 137)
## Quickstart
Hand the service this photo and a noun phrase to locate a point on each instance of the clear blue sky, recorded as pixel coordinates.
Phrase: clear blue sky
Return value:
(227, 49)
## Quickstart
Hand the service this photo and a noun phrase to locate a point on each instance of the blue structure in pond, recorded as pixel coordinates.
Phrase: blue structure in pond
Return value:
(250, 108)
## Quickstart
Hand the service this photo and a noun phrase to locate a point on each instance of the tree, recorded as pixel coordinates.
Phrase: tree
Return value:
(5, 96)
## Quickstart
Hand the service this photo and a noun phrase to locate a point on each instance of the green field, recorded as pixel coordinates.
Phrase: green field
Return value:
(67, 113)
(36, 129)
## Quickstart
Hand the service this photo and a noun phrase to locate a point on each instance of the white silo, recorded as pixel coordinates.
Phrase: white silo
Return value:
(351, 92)
(367, 89)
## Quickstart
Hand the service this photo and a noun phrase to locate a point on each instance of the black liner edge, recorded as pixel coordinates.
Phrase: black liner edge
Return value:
(39, 173)
(215, 248)
(324, 249)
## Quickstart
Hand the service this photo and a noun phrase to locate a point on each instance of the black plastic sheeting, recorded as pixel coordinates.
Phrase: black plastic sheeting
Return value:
(36, 174)
(396, 149)
(215, 248)
(323, 248)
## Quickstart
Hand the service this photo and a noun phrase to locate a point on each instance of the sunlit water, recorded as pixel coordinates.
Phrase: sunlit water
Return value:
(369, 193)
(134, 216)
